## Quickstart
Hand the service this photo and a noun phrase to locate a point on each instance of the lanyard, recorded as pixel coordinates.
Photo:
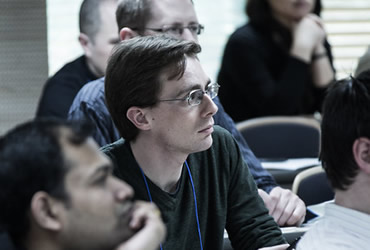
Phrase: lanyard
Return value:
(195, 201)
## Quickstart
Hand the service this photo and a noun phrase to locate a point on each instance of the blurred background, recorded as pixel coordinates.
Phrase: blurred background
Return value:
(37, 37)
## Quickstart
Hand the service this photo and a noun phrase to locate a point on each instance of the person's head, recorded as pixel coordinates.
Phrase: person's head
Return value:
(55, 185)
(144, 71)
(263, 12)
(345, 130)
(98, 32)
(145, 17)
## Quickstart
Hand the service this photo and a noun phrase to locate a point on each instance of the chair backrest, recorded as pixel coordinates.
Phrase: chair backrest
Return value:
(282, 136)
(312, 186)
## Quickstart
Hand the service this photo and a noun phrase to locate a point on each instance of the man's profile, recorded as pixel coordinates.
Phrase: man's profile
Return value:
(57, 192)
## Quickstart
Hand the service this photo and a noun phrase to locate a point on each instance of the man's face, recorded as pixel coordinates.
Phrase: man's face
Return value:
(173, 12)
(99, 208)
(176, 125)
(100, 47)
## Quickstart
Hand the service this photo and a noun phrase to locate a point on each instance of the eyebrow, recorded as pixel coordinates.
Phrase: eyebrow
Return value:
(104, 169)
(181, 23)
(191, 88)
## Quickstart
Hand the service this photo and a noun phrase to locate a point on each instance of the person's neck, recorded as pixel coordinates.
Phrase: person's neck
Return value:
(160, 164)
(35, 241)
(284, 21)
(356, 197)
(94, 70)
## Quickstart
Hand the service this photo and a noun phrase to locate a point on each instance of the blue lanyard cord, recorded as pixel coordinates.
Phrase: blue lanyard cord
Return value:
(196, 207)
(149, 195)
(146, 184)
(195, 201)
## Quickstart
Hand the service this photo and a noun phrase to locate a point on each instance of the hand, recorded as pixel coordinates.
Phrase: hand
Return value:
(151, 231)
(278, 247)
(308, 34)
(284, 206)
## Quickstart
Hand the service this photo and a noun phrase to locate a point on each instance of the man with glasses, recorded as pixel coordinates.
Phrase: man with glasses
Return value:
(178, 18)
(160, 99)
(177, 30)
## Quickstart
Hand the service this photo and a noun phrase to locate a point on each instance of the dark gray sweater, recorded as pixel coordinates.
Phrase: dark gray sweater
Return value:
(226, 197)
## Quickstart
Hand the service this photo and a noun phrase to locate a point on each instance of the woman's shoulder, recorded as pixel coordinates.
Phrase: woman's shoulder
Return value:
(246, 34)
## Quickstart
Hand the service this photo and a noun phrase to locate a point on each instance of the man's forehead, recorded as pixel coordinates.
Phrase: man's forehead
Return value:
(84, 158)
(172, 11)
(193, 77)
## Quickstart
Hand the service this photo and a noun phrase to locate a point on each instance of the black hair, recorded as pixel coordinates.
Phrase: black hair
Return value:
(346, 117)
(32, 160)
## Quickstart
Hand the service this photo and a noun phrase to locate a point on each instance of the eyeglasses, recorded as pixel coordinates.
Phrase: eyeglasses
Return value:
(177, 30)
(195, 97)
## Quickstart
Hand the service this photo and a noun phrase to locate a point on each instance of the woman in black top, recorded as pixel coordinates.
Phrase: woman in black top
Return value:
(279, 63)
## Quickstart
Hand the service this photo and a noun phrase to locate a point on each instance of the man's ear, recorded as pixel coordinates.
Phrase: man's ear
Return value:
(85, 43)
(127, 33)
(361, 153)
(45, 211)
(138, 117)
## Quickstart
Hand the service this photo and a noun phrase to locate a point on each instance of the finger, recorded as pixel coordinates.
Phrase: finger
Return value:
(143, 211)
(267, 200)
(294, 211)
(280, 212)
(298, 214)
(279, 197)
(292, 214)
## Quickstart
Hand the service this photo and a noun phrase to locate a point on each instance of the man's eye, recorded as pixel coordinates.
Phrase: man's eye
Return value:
(196, 95)
(193, 28)
(101, 180)
(173, 29)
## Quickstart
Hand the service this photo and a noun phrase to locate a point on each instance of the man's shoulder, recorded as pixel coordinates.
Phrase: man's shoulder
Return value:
(220, 133)
(112, 148)
(92, 93)
(76, 68)
(72, 76)
(92, 89)
(323, 235)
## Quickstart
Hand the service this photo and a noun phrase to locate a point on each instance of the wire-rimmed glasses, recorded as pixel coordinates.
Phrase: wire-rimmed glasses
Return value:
(177, 30)
(195, 97)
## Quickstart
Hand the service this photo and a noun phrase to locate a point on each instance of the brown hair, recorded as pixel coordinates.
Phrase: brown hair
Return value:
(132, 77)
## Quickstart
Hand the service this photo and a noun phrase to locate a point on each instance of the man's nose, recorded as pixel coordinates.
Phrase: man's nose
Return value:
(123, 191)
(211, 107)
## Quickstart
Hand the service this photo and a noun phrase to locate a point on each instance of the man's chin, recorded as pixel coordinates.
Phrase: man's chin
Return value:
(127, 233)
(204, 145)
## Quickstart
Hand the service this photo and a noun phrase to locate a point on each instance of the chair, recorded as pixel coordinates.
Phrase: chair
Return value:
(282, 136)
(312, 186)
